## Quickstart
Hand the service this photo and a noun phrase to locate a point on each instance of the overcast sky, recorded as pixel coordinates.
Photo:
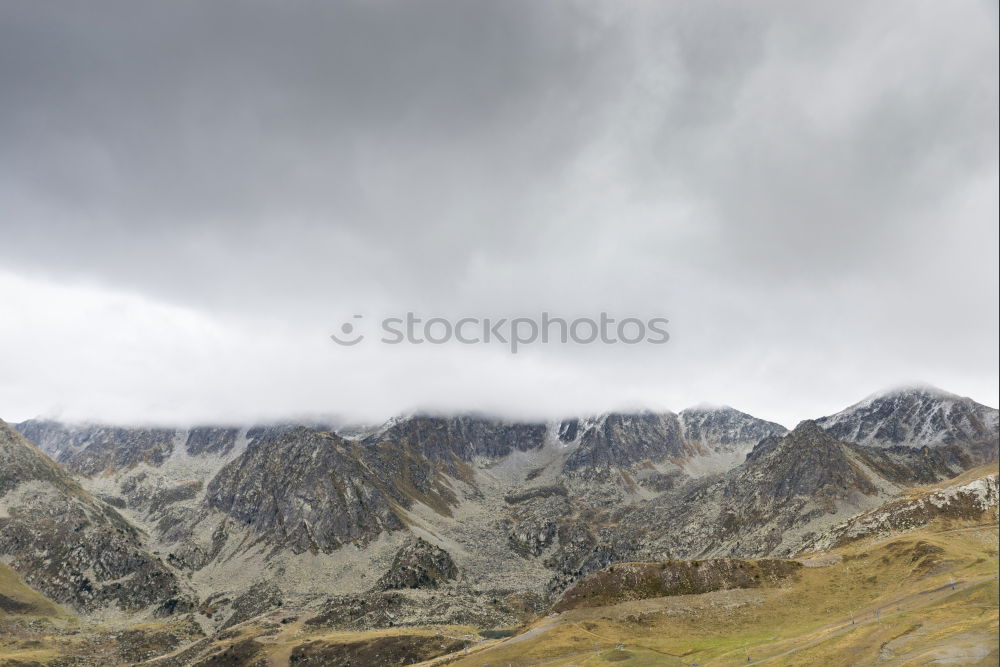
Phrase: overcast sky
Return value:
(194, 195)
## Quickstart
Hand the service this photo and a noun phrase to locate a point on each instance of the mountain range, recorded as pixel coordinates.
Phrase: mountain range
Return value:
(444, 519)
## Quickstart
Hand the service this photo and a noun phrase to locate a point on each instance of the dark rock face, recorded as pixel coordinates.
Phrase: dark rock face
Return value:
(625, 440)
(307, 490)
(806, 462)
(418, 565)
(915, 417)
(622, 440)
(211, 440)
(94, 448)
(71, 546)
(916, 465)
(725, 429)
(258, 599)
(441, 438)
(811, 462)
(568, 430)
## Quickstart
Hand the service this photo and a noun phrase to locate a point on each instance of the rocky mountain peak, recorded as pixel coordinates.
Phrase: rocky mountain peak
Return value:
(465, 436)
(724, 429)
(806, 461)
(622, 440)
(20, 462)
(915, 416)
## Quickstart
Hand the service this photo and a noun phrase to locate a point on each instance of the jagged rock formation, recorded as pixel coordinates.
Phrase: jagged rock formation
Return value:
(443, 439)
(787, 488)
(418, 565)
(92, 449)
(723, 429)
(917, 417)
(71, 546)
(810, 462)
(624, 440)
(211, 440)
(305, 490)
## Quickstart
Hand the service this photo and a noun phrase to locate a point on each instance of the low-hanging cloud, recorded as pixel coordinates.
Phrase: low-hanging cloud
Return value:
(807, 192)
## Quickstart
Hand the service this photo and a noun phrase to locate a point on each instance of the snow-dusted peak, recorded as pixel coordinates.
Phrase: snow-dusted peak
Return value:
(913, 416)
(722, 428)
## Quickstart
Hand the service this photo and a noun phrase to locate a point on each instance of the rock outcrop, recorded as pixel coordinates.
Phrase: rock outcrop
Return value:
(623, 582)
(419, 564)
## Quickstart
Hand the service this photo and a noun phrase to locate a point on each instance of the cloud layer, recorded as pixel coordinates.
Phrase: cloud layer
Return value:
(194, 195)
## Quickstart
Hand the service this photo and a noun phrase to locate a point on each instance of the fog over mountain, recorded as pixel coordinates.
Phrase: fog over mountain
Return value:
(195, 196)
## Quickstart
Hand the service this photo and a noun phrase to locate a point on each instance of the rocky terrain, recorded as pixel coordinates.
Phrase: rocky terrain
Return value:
(461, 520)
(71, 546)
(916, 417)
(965, 498)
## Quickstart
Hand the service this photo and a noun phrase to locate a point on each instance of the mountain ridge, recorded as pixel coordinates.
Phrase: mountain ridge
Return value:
(508, 509)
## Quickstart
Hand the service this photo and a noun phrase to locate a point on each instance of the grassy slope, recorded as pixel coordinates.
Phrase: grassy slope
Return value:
(808, 622)
(17, 598)
(19, 603)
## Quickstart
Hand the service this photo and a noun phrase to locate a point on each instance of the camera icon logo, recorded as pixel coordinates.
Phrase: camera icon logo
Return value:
(347, 329)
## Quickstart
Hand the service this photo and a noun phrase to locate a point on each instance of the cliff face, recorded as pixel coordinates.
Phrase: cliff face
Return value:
(724, 429)
(441, 439)
(306, 490)
(618, 441)
(623, 440)
(91, 449)
(806, 462)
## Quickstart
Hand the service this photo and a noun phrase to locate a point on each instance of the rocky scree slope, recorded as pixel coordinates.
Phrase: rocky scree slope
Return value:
(965, 499)
(787, 487)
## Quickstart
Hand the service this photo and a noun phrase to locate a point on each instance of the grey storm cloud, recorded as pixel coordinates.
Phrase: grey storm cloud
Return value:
(815, 178)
